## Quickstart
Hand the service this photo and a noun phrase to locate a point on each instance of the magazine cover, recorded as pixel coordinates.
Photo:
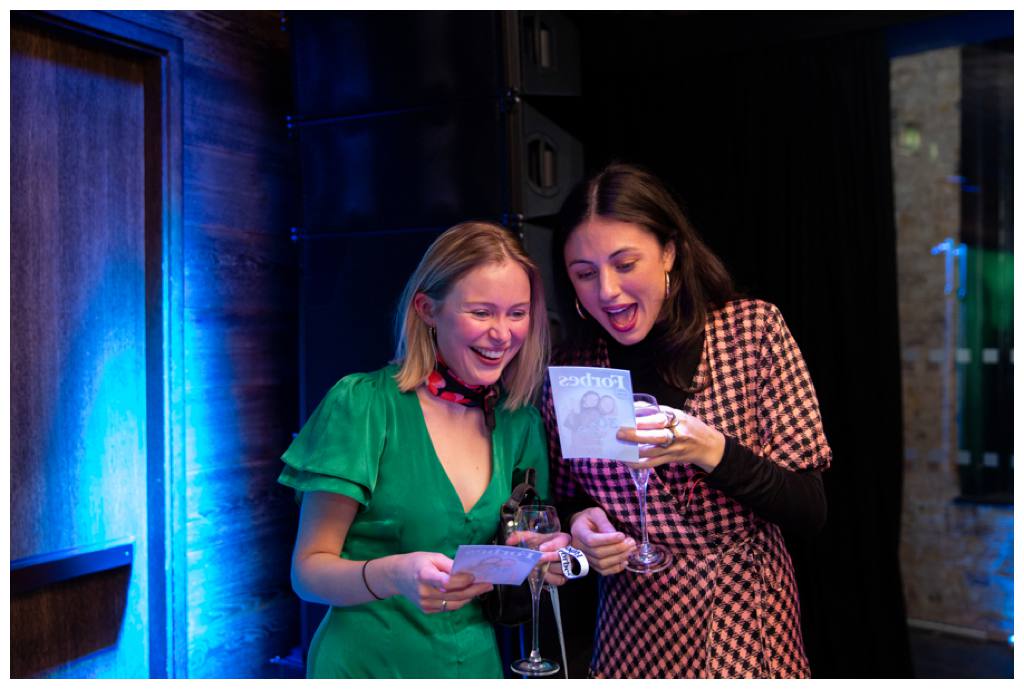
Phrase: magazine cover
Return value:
(591, 404)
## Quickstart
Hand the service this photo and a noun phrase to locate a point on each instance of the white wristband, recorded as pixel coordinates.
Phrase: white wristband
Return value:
(567, 555)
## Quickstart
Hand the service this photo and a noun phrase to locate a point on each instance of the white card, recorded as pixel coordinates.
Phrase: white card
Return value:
(591, 404)
(496, 564)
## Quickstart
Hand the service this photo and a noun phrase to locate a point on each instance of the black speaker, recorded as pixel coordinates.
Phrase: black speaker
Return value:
(546, 53)
(428, 167)
(546, 164)
(537, 240)
(361, 62)
(349, 291)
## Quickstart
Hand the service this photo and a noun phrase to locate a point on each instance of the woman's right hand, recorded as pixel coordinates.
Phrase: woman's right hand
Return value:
(606, 547)
(427, 581)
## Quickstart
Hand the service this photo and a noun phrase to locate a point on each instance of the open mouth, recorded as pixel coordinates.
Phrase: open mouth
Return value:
(622, 318)
(489, 356)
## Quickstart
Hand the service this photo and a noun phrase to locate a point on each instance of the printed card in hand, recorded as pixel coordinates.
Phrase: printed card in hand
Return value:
(495, 564)
(591, 404)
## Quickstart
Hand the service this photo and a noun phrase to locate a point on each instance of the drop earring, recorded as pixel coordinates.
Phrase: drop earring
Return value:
(668, 286)
(579, 310)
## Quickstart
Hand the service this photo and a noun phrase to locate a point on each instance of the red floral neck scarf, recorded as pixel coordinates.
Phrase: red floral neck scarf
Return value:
(442, 382)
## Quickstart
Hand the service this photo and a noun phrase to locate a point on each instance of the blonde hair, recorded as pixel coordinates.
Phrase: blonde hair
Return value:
(455, 253)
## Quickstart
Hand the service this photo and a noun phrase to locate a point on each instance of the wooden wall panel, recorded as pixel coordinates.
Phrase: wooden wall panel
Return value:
(78, 355)
(228, 505)
(78, 618)
(229, 268)
(240, 329)
(266, 347)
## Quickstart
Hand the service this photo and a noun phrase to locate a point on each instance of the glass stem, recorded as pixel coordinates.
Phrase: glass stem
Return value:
(535, 651)
(641, 493)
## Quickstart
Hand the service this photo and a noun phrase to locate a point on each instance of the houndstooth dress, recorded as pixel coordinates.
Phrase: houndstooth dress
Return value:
(727, 607)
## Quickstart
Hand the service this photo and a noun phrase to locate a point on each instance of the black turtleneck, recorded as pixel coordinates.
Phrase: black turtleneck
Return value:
(794, 500)
(641, 360)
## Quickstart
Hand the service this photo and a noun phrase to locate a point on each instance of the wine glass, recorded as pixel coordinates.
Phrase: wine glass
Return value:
(648, 558)
(536, 524)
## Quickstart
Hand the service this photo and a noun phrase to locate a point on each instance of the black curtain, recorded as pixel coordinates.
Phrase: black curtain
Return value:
(779, 149)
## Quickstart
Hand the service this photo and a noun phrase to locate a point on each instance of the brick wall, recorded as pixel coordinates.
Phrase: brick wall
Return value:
(957, 559)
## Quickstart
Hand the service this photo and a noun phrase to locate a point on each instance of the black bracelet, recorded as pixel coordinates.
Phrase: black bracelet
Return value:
(367, 584)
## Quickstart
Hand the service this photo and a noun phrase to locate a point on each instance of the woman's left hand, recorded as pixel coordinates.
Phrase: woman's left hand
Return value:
(549, 548)
(674, 436)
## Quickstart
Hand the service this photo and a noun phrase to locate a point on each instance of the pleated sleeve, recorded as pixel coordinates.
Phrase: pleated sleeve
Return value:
(339, 448)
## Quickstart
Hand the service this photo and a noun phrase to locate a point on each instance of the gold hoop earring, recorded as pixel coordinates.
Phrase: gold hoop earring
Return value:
(668, 286)
(579, 310)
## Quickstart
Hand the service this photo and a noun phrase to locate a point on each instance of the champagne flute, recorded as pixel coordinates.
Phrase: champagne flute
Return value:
(648, 558)
(536, 524)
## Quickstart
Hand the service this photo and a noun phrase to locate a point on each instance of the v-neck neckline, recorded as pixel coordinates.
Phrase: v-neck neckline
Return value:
(446, 479)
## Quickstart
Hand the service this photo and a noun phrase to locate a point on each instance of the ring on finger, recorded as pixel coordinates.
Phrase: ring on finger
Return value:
(671, 438)
(672, 420)
(444, 605)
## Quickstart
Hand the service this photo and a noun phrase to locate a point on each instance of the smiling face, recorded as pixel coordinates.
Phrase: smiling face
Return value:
(618, 271)
(482, 322)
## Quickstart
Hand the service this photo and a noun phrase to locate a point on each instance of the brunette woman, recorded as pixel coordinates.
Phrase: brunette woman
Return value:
(737, 449)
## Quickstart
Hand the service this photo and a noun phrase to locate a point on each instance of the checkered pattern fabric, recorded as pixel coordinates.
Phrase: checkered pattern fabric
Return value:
(728, 605)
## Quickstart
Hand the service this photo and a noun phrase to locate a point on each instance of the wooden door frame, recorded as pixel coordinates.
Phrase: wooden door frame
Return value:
(161, 55)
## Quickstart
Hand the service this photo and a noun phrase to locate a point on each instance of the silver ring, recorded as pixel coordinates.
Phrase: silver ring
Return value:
(444, 605)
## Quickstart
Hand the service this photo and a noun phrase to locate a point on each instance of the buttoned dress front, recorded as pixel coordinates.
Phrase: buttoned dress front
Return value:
(727, 606)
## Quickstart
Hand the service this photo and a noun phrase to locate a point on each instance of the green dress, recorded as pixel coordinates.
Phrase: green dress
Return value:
(368, 440)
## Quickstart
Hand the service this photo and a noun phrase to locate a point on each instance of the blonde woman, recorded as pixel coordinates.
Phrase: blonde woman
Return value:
(400, 466)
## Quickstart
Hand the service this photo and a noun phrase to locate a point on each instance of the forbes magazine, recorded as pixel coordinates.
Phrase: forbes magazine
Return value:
(591, 404)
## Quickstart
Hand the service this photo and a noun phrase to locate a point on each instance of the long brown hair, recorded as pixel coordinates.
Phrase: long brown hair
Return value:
(449, 258)
(699, 280)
